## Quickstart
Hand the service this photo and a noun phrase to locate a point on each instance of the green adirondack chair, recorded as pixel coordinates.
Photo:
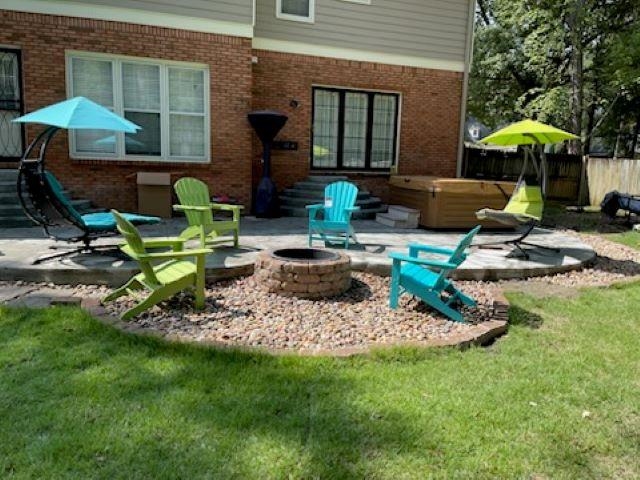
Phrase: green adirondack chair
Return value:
(426, 278)
(195, 202)
(339, 204)
(163, 280)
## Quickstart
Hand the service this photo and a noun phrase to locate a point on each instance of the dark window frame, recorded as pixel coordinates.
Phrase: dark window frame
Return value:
(369, 132)
(20, 102)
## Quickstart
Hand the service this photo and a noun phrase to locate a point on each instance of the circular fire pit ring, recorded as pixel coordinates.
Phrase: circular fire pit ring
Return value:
(303, 272)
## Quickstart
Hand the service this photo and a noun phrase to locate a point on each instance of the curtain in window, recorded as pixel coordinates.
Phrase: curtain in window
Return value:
(93, 79)
(355, 130)
(325, 129)
(10, 133)
(296, 7)
(187, 113)
(141, 101)
(383, 131)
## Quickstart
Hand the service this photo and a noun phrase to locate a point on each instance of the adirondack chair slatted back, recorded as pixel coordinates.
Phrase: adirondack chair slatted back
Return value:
(195, 193)
(135, 246)
(459, 255)
(337, 197)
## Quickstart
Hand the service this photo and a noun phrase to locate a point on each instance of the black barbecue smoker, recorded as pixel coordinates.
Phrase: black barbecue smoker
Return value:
(267, 124)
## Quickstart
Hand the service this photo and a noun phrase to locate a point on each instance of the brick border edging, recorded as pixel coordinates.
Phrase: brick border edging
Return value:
(478, 335)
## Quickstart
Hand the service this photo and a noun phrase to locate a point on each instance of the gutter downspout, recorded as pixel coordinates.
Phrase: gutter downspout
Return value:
(465, 84)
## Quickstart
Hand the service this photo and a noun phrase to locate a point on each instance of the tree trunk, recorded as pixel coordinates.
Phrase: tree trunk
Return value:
(634, 140)
(576, 72)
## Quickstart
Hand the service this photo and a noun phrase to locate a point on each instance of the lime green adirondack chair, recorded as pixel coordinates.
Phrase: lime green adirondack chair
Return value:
(164, 280)
(195, 202)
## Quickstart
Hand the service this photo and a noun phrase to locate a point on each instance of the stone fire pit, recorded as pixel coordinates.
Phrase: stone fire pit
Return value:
(303, 272)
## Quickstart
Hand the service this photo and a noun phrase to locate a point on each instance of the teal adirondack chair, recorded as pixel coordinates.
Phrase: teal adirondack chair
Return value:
(164, 280)
(339, 204)
(195, 202)
(427, 278)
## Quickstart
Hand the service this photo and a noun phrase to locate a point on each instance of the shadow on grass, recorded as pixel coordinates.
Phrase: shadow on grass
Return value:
(119, 403)
(518, 316)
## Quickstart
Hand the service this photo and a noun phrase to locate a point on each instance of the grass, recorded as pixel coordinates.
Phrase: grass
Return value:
(81, 400)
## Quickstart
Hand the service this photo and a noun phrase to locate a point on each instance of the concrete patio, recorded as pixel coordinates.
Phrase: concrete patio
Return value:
(21, 246)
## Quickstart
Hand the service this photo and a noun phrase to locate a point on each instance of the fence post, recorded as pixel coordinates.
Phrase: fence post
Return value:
(583, 186)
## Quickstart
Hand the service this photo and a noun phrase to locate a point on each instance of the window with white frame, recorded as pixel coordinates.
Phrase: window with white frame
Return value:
(298, 10)
(167, 99)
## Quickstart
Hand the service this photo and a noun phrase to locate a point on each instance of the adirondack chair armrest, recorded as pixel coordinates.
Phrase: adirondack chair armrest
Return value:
(314, 209)
(423, 261)
(226, 207)
(419, 247)
(195, 252)
(175, 243)
(315, 206)
(195, 208)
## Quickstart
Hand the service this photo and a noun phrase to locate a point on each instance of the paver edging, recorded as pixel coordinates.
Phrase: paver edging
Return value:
(477, 335)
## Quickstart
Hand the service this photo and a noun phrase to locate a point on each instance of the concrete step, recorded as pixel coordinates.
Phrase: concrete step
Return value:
(367, 213)
(395, 222)
(303, 201)
(15, 222)
(400, 212)
(9, 175)
(327, 179)
(15, 210)
(7, 186)
(316, 194)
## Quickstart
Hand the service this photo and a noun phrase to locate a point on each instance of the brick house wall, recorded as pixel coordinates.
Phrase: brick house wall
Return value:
(43, 40)
(429, 115)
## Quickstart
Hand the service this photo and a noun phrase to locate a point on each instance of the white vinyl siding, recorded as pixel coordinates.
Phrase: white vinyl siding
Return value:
(427, 29)
(169, 100)
(240, 11)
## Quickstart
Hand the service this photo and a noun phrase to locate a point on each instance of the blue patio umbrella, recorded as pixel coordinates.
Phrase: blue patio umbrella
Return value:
(79, 113)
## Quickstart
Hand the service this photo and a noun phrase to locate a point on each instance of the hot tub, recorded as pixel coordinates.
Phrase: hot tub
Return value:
(449, 202)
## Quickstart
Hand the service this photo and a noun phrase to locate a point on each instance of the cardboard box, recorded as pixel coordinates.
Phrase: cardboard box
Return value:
(154, 194)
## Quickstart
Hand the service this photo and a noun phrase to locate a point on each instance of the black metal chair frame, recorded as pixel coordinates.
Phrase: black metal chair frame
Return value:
(530, 226)
(43, 204)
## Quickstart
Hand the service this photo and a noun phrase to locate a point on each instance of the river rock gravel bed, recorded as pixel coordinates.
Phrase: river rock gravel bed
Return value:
(237, 313)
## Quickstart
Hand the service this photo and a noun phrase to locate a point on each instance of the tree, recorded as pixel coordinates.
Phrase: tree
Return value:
(552, 60)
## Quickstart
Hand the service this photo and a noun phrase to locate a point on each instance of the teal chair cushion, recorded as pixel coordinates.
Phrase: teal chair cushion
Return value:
(105, 221)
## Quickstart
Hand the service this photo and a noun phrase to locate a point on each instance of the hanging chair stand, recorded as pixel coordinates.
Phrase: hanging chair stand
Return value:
(541, 173)
(31, 173)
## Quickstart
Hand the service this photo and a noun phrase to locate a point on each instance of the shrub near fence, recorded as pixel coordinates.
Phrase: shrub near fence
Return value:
(607, 174)
(564, 170)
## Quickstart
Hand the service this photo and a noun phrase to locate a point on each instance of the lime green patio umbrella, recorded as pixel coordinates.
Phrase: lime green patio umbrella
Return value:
(530, 132)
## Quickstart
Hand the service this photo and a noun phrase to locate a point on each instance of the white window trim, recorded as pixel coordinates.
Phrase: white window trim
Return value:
(297, 18)
(118, 99)
(363, 2)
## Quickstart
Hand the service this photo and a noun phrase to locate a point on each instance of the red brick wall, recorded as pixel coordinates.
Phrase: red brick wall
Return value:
(44, 39)
(429, 117)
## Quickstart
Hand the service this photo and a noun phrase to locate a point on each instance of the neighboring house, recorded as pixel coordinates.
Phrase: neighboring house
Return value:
(475, 130)
(369, 86)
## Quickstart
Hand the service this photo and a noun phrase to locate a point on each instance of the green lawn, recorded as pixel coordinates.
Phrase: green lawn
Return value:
(81, 400)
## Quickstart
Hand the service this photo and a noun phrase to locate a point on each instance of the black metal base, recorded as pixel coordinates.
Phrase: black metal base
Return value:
(518, 242)
(107, 250)
(267, 203)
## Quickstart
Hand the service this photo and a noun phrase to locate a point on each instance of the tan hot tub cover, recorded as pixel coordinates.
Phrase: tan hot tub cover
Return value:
(449, 202)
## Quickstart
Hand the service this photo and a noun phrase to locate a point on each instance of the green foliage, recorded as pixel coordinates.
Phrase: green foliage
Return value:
(557, 61)
(556, 398)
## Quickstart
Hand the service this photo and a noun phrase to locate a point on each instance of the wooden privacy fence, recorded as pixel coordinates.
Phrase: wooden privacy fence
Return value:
(607, 174)
(564, 170)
